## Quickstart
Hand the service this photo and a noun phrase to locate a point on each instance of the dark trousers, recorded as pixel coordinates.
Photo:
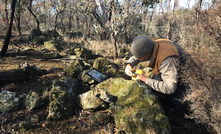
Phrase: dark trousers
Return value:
(175, 99)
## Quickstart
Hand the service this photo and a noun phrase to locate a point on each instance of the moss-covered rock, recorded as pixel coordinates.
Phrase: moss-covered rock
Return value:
(8, 100)
(101, 117)
(55, 44)
(71, 34)
(148, 72)
(51, 34)
(87, 79)
(75, 68)
(105, 66)
(136, 110)
(81, 52)
(34, 33)
(33, 100)
(1, 44)
(16, 75)
(24, 126)
(35, 71)
(89, 101)
(62, 98)
(39, 40)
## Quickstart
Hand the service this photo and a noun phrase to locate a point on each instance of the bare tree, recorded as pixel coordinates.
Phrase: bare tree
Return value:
(6, 10)
(175, 5)
(30, 10)
(197, 10)
(18, 16)
(9, 29)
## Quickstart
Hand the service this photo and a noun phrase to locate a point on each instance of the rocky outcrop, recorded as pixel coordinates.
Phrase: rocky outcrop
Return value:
(62, 97)
(81, 52)
(75, 68)
(55, 44)
(8, 100)
(132, 104)
(23, 73)
(105, 66)
(33, 100)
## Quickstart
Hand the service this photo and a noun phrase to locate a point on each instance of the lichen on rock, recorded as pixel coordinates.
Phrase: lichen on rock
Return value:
(75, 67)
(55, 44)
(81, 52)
(32, 100)
(62, 98)
(105, 66)
(136, 110)
(8, 100)
(89, 101)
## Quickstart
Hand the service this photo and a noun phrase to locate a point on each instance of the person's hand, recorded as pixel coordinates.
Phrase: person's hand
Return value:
(141, 77)
(128, 70)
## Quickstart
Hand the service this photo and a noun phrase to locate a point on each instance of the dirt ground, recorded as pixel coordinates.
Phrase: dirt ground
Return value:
(82, 122)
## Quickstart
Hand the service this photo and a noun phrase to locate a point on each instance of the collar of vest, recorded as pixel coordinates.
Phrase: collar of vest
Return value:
(154, 55)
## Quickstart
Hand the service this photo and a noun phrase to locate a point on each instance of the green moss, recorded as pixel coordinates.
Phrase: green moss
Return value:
(137, 110)
(39, 40)
(34, 33)
(81, 52)
(55, 45)
(51, 34)
(61, 99)
(74, 68)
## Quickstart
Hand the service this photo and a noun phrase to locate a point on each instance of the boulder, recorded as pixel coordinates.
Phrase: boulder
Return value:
(137, 109)
(23, 73)
(70, 34)
(51, 34)
(81, 52)
(34, 33)
(8, 100)
(39, 40)
(24, 126)
(55, 44)
(75, 68)
(32, 100)
(105, 66)
(101, 117)
(62, 97)
(89, 101)
(87, 79)
(13, 76)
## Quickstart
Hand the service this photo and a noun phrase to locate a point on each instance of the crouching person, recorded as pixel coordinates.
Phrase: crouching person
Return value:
(165, 58)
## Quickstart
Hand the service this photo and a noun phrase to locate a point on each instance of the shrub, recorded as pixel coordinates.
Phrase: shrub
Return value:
(205, 80)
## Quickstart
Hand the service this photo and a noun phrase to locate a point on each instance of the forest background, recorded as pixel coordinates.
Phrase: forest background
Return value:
(111, 25)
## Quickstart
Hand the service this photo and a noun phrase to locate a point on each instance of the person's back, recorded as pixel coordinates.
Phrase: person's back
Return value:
(166, 59)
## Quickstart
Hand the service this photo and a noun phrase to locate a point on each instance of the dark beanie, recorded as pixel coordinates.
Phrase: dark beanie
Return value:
(141, 46)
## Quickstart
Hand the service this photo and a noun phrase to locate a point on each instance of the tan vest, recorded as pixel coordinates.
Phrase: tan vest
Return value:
(163, 48)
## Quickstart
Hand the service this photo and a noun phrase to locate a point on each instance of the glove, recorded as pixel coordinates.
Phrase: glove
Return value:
(128, 70)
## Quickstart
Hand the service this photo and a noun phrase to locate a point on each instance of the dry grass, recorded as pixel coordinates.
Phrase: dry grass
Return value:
(205, 85)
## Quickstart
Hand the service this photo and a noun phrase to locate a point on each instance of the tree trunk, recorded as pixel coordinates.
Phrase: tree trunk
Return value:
(56, 18)
(18, 18)
(197, 9)
(169, 24)
(6, 12)
(114, 41)
(69, 21)
(113, 34)
(9, 29)
(30, 10)
(151, 18)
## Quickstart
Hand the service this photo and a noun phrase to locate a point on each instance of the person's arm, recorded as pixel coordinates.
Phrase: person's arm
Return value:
(130, 64)
(169, 75)
(133, 61)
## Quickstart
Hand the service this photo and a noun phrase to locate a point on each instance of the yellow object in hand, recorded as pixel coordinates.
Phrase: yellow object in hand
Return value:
(134, 77)
(139, 71)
